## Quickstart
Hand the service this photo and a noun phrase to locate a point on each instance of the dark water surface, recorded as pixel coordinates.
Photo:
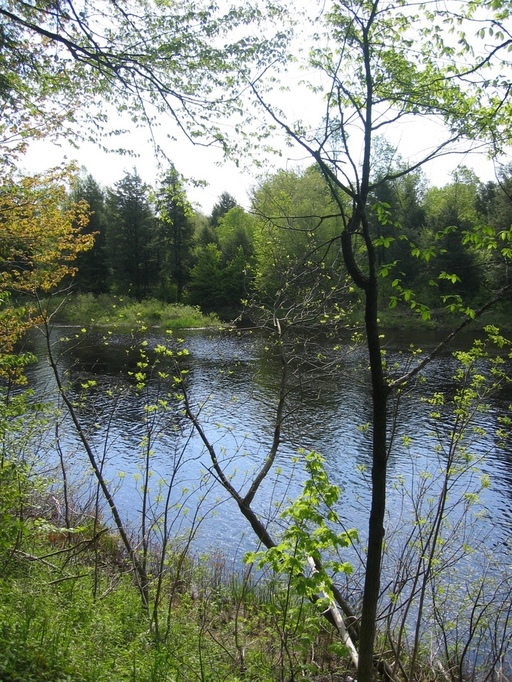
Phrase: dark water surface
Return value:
(234, 383)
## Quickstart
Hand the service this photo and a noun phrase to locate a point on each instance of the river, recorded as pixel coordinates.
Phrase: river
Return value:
(235, 380)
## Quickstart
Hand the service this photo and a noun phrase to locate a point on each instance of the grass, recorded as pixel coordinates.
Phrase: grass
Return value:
(56, 631)
(53, 629)
(123, 313)
(70, 612)
(442, 320)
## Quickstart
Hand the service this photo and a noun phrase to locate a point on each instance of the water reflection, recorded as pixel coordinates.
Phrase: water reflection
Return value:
(233, 381)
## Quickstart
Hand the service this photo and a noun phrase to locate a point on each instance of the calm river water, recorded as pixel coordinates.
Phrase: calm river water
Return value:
(233, 381)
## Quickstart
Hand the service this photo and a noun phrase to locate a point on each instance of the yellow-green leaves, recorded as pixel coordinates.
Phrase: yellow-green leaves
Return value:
(311, 531)
(40, 237)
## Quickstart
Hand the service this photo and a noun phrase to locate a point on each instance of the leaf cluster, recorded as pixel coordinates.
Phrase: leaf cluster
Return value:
(40, 238)
(311, 521)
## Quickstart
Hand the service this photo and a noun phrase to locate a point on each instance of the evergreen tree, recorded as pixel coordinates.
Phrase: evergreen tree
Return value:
(402, 199)
(92, 274)
(129, 237)
(203, 233)
(225, 203)
(206, 280)
(235, 230)
(175, 231)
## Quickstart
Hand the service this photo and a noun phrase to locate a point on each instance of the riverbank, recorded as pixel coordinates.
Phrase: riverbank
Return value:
(72, 610)
(444, 321)
(121, 313)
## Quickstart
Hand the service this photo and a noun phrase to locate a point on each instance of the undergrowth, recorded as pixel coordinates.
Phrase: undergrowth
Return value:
(69, 610)
(122, 312)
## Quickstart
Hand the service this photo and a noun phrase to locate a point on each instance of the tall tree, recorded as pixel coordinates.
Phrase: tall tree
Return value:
(222, 275)
(402, 199)
(384, 63)
(495, 204)
(450, 212)
(92, 271)
(129, 237)
(223, 205)
(175, 231)
(207, 280)
(296, 230)
(236, 230)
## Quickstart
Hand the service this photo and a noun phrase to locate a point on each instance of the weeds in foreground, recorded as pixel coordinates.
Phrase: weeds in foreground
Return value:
(223, 626)
(70, 608)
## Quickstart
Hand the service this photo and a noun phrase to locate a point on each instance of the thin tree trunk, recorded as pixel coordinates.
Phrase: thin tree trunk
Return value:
(380, 393)
(141, 576)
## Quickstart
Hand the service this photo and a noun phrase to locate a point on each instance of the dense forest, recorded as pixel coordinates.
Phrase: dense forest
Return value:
(149, 242)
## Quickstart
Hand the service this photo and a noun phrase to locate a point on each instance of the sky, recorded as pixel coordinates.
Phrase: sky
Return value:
(207, 163)
(198, 162)
(192, 162)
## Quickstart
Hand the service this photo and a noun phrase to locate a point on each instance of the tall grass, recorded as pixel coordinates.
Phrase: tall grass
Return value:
(224, 626)
(70, 609)
(116, 312)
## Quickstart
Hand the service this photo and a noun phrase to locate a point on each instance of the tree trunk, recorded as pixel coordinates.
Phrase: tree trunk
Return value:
(380, 391)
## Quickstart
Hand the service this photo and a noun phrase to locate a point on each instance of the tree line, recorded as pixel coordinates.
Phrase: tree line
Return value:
(151, 242)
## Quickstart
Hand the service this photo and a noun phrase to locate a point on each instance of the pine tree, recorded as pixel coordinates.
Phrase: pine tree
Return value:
(223, 205)
(174, 235)
(129, 237)
(92, 272)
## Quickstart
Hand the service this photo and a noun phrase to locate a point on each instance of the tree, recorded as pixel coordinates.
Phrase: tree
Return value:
(222, 284)
(207, 280)
(222, 275)
(235, 231)
(380, 69)
(223, 205)
(92, 272)
(297, 229)
(63, 61)
(174, 235)
(40, 238)
(451, 211)
(129, 237)
(495, 204)
(403, 200)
